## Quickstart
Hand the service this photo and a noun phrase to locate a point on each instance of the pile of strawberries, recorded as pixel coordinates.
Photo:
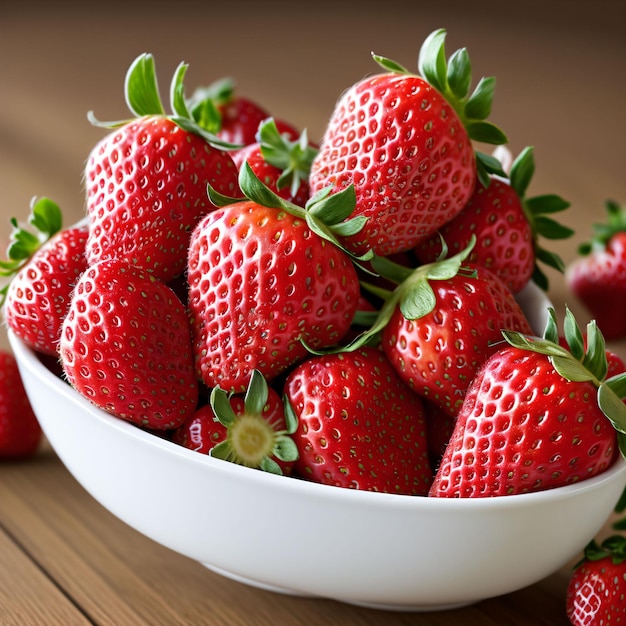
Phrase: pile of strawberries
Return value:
(343, 312)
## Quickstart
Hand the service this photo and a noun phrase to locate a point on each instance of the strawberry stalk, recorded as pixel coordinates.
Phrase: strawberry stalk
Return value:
(143, 99)
(536, 210)
(579, 364)
(47, 220)
(252, 441)
(453, 79)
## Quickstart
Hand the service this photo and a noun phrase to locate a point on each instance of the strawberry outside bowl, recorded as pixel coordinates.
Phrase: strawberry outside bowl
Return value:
(286, 535)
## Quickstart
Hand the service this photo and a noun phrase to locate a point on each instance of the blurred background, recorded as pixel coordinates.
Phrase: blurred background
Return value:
(560, 69)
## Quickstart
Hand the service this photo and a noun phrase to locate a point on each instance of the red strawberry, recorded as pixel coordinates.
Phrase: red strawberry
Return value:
(404, 141)
(250, 430)
(44, 270)
(507, 226)
(596, 593)
(441, 323)
(598, 277)
(281, 164)
(20, 433)
(263, 281)
(147, 180)
(126, 346)
(534, 418)
(359, 425)
(233, 118)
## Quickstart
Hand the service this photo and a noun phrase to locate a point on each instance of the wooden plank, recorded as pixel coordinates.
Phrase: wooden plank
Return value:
(27, 595)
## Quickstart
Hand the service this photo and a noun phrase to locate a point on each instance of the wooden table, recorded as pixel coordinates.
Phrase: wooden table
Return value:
(560, 67)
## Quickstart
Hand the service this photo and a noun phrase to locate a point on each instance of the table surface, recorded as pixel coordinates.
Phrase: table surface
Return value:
(560, 68)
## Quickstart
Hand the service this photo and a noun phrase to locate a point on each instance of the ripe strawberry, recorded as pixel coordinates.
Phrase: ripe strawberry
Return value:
(441, 323)
(250, 430)
(596, 593)
(598, 277)
(264, 281)
(281, 164)
(146, 182)
(126, 346)
(507, 226)
(43, 268)
(404, 141)
(535, 417)
(20, 433)
(233, 118)
(359, 425)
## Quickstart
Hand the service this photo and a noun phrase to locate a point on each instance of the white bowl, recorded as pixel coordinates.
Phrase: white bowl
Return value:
(283, 534)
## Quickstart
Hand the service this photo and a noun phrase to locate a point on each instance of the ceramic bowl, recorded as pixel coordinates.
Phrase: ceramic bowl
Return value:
(284, 534)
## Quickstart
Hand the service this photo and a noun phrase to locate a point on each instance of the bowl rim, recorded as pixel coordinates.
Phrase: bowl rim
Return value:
(28, 359)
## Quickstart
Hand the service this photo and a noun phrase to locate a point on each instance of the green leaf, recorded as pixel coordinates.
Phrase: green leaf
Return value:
(478, 107)
(490, 164)
(613, 407)
(571, 369)
(285, 449)
(256, 191)
(389, 64)
(177, 92)
(551, 259)
(618, 384)
(46, 216)
(595, 357)
(350, 227)
(547, 203)
(573, 335)
(551, 331)
(223, 451)
(256, 394)
(522, 171)
(141, 88)
(621, 443)
(336, 207)
(431, 61)
(417, 300)
(539, 278)
(485, 132)
(220, 200)
(291, 419)
(207, 116)
(220, 403)
(548, 228)
(460, 73)
(270, 466)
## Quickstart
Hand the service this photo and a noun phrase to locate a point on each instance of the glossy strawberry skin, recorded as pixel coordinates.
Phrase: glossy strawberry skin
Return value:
(439, 354)
(146, 188)
(406, 151)
(522, 428)
(596, 593)
(20, 433)
(202, 431)
(359, 427)
(599, 282)
(39, 294)
(126, 346)
(504, 237)
(260, 282)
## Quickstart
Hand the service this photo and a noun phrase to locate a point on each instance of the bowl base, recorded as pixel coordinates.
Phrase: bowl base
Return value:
(368, 605)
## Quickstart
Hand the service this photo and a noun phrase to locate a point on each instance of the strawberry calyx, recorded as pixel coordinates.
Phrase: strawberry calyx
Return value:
(293, 158)
(143, 99)
(252, 441)
(453, 78)
(413, 294)
(204, 103)
(613, 547)
(577, 363)
(326, 214)
(47, 219)
(603, 233)
(536, 210)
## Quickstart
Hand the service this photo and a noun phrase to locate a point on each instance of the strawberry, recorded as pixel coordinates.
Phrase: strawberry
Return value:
(20, 433)
(536, 416)
(598, 277)
(126, 346)
(359, 425)
(233, 118)
(146, 181)
(441, 323)
(249, 430)
(281, 164)
(507, 226)
(596, 593)
(404, 141)
(265, 278)
(43, 269)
